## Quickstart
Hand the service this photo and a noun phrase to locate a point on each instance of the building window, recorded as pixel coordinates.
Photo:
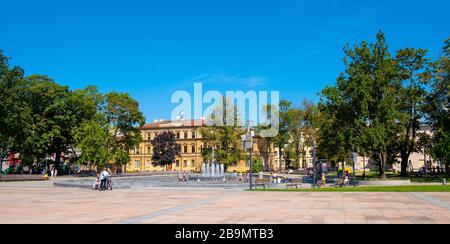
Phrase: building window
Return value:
(148, 164)
(185, 149)
(137, 150)
(148, 137)
(178, 163)
(185, 135)
(178, 135)
(193, 135)
(137, 164)
(193, 149)
(149, 150)
(185, 163)
(192, 163)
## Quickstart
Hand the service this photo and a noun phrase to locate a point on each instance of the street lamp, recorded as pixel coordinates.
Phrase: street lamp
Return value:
(247, 143)
(313, 156)
(353, 159)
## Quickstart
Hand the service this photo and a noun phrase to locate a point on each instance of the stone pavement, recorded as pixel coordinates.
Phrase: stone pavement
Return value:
(40, 202)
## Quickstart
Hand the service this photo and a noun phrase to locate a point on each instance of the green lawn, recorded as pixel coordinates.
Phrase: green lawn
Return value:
(391, 176)
(367, 189)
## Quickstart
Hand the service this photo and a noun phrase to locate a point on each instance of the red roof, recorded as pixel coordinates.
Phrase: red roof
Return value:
(175, 124)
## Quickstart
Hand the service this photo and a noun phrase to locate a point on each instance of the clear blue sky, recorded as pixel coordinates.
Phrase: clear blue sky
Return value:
(153, 48)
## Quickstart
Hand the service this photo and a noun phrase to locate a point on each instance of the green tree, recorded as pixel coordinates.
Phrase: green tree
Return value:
(92, 141)
(336, 130)
(124, 119)
(89, 126)
(438, 107)
(257, 165)
(165, 149)
(282, 139)
(50, 125)
(226, 139)
(413, 71)
(13, 109)
(363, 103)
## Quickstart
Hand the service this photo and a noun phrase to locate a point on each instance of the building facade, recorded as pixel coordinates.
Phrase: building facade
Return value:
(188, 136)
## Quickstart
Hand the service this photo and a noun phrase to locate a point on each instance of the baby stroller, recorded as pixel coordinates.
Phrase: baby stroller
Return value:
(109, 184)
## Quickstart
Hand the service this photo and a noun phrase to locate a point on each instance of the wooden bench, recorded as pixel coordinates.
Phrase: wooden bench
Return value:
(262, 182)
(294, 183)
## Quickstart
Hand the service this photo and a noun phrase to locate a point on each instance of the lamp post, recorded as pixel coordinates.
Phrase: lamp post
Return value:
(313, 155)
(247, 142)
(353, 159)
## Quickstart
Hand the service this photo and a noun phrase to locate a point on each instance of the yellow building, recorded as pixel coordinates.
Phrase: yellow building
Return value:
(188, 136)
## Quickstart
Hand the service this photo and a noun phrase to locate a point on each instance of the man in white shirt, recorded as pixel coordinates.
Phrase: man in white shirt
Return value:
(104, 178)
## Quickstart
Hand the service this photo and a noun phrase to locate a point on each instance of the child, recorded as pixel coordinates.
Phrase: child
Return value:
(96, 184)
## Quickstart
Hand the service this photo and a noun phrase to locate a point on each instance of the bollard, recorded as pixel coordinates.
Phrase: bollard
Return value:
(444, 181)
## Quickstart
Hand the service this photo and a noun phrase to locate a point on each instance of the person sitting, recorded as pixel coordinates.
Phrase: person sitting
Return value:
(323, 178)
(246, 178)
(346, 179)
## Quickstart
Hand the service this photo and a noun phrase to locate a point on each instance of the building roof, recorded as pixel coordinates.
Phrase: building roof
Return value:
(175, 124)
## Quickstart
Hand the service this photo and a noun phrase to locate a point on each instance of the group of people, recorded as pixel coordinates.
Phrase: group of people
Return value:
(104, 181)
(280, 179)
(244, 177)
(182, 177)
(53, 171)
(344, 178)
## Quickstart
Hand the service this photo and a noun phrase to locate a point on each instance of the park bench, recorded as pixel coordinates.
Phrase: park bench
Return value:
(294, 183)
(262, 182)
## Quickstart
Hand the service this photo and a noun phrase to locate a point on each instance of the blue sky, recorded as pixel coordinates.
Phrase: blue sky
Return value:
(153, 48)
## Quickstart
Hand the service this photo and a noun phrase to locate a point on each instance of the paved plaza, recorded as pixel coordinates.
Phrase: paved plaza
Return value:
(41, 202)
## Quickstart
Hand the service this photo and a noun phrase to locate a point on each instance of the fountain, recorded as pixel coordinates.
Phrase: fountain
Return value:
(213, 172)
(203, 170)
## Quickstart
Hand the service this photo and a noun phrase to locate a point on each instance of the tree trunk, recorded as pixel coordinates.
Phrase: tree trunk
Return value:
(364, 166)
(404, 165)
(57, 160)
(382, 166)
(279, 163)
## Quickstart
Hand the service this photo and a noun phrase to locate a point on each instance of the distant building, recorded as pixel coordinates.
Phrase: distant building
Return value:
(418, 159)
(188, 136)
